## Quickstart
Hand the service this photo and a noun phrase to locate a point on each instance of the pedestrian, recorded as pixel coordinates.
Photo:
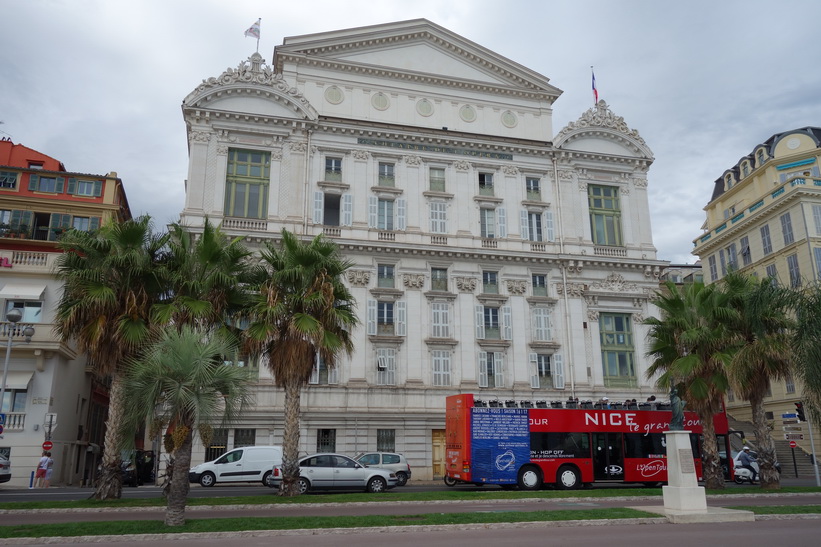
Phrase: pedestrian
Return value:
(746, 459)
(40, 474)
(49, 470)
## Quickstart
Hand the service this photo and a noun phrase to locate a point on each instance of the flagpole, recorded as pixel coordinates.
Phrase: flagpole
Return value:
(259, 25)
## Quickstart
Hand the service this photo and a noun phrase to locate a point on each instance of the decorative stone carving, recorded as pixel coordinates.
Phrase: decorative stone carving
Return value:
(583, 187)
(461, 165)
(638, 317)
(571, 289)
(615, 283)
(510, 170)
(413, 281)
(361, 155)
(573, 266)
(276, 155)
(592, 315)
(412, 160)
(600, 116)
(222, 149)
(466, 284)
(566, 175)
(516, 286)
(625, 191)
(199, 136)
(298, 146)
(640, 183)
(359, 278)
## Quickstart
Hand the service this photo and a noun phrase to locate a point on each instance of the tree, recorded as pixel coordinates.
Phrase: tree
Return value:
(806, 345)
(112, 278)
(299, 309)
(182, 381)
(690, 347)
(763, 328)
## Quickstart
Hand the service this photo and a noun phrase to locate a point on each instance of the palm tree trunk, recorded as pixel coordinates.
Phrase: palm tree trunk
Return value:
(110, 483)
(710, 464)
(290, 438)
(765, 446)
(178, 492)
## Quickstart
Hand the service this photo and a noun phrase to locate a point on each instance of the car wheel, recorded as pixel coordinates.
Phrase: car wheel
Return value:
(449, 481)
(401, 479)
(302, 485)
(266, 479)
(568, 478)
(207, 479)
(738, 480)
(377, 485)
(530, 478)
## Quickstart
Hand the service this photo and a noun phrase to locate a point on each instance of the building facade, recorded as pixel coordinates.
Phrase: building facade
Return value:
(764, 218)
(49, 392)
(490, 254)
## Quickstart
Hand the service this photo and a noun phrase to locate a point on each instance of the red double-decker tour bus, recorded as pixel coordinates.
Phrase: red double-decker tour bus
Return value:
(513, 444)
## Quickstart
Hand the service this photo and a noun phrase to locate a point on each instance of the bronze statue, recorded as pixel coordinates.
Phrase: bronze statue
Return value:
(677, 406)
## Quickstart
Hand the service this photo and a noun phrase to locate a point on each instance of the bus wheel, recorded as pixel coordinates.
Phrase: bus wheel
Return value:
(568, 478)
(530, 478)
(449, 481)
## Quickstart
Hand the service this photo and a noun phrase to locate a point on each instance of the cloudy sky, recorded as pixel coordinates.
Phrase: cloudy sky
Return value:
(98, 84)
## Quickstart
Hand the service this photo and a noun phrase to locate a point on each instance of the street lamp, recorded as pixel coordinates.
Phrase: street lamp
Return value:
(14, 316)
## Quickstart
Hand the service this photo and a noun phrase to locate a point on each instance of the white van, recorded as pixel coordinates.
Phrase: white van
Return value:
(246, 464)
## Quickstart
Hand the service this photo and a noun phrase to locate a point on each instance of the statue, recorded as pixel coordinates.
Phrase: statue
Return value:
(677, 406)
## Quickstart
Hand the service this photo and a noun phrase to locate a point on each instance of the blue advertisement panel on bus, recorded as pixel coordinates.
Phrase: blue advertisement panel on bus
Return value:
(500, 443)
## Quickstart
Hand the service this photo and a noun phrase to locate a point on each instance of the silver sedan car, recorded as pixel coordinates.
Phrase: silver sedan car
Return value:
(336, 472)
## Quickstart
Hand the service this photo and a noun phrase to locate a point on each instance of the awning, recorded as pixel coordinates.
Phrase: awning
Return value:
(22, 291)
(17, 379)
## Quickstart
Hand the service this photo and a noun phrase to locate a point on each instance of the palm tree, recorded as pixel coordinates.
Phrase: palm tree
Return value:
(111, 281)
(182, 381)
(807, 348)
(300, 309)
(763, 326)
(689, 347)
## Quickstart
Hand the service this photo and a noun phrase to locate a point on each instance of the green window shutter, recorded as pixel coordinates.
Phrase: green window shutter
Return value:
(72, 186)
(98, 188)
(94, 223)
(65, 222)
(61, 183)
(15, 219)
(54, 220)
(33, 180)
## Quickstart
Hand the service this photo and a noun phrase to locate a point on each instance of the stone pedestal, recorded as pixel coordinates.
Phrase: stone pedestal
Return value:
(683, 492)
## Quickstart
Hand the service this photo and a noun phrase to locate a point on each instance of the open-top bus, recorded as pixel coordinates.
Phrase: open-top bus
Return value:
(513, 444)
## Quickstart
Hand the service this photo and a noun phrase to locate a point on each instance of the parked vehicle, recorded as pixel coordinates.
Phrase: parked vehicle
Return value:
(137, 467)
(336, 472)
(246, 464)
(390, 461)
(742, 475)
(5, 469)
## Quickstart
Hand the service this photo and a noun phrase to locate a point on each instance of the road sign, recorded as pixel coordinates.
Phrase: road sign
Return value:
(793, 437)
(793, 428)
(789, 415)
(48, 445)
(1, 429)
(785, 422)
(793, 444)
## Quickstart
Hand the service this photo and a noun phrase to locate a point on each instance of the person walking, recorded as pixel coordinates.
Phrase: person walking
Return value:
(49, 469)
(40, 473)
(747, 459)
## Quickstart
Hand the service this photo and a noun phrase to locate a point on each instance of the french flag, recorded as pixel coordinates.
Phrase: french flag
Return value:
(595, 91)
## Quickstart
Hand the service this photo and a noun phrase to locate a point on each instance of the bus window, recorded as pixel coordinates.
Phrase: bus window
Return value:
(638, 445)
(559, 445)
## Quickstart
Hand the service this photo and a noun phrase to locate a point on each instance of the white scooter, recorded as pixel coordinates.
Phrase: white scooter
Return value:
(742, 474)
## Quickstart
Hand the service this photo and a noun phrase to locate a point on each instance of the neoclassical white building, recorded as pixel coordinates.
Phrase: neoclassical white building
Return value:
(491, 255)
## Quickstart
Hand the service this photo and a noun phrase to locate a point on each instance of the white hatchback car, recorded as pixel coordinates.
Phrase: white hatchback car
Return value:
(336, 472)
(390, 461)
(5, 470)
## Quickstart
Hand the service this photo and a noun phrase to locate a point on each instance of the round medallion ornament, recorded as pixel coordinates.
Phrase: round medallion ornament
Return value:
(509, 119)
(334, 95)
(380, 101)
(424, 107)
(467, 113)
(793, 143)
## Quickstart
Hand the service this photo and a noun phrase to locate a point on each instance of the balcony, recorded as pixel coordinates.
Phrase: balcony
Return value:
(245, 224)
(489, 244)
(387, 181)
(386, 236)
(332, 231)
(613, 252)
(15, 421)
(439, 240)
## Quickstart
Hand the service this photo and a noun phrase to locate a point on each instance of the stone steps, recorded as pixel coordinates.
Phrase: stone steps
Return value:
(783, 451)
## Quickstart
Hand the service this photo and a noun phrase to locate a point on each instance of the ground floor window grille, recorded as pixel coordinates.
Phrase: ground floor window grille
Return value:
(386, 440)
(245, 437)
(326, 440)
(218, 446)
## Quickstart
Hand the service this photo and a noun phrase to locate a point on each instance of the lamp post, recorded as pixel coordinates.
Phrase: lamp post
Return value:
(14, 316)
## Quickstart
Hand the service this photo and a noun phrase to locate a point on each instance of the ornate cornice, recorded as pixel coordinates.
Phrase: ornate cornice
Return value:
(600, 116)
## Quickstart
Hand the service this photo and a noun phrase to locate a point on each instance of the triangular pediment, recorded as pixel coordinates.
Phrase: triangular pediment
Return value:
(600, 131)
(416, 46)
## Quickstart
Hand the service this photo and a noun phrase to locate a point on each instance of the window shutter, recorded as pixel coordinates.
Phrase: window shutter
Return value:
(557, 370)
(401, 319)
(440, 319)
(27, 218)
(482, 369)
(525, 226)
(541, 324)
(534, 371)
(548, 226)
(72, 186)
(501, 217)
(314, 379)
(507, 323)
(373, 211)
(480, 322)
(16, 217)
(94, 223)
(401, 214)
(33, 181)
(319, 205)
(65, 222)
(499, 368)
(347, 209)
(333, 376)
(98, 188)
(372, 317)
(60, 184)
(54, 220)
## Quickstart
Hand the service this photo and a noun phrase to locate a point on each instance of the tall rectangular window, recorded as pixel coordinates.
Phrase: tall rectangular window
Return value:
(438, 279)
(541, 325)
(487, 223)
(437, 179)
(485, 184)
(490, 282)
(723, 262)
(794, 271)
(772, 273)
(816, 253)
(385, 276)
(333, 169)
(605, 215)
(539, 284)
(711, 260)
(766, 242)
(542, 377)
(218, 446)
(786, 229)
(246, 183)
(441, 368)
(732, 258)
(440, 319)
(322, 374)
(326, 440)
(534, 225)
(617, 349)
(438, 217)
(746, 254)
(491, 369)
(385, 366)
(533, 190)
(491, 323)
(384, 321)
(789, 383)
(385, 218)
(816, 217)
(386, 440)
(386, 176)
